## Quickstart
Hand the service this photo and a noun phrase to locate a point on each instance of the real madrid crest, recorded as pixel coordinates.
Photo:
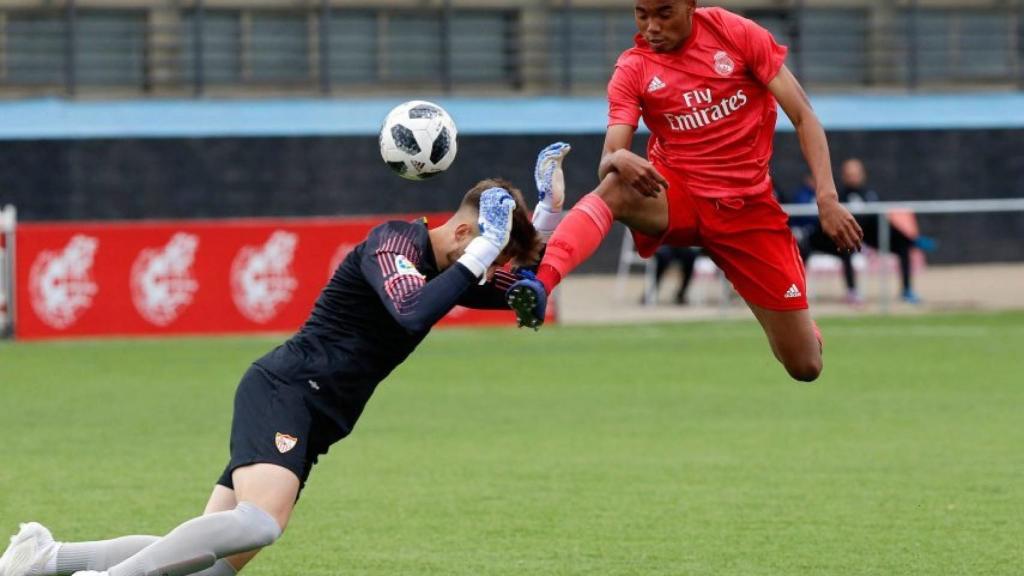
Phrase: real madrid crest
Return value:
(723, 64)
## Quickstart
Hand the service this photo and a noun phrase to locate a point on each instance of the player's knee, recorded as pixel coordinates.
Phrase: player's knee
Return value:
(262, 529)
(805, 369)
(613, 191)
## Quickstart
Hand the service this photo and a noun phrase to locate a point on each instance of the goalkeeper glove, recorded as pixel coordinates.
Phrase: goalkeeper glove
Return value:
(495, 222)
(550, 188)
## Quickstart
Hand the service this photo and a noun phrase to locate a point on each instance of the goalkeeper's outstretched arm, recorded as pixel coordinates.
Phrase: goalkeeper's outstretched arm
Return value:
(550, 180)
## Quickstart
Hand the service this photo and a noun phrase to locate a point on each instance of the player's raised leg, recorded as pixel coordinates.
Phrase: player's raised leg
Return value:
(586, 225)
(581, 232)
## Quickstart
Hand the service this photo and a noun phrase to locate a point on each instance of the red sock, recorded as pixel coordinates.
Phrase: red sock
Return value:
(575, 239)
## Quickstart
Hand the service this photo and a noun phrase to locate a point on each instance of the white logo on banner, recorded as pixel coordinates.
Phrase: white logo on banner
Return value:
(261, 277)
(162, 282)
(60, 283)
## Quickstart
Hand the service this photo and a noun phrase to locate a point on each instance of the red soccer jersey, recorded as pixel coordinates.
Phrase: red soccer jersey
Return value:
(706, 104)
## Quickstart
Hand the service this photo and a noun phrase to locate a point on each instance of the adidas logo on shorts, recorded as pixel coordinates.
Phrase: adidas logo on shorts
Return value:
(793, 292)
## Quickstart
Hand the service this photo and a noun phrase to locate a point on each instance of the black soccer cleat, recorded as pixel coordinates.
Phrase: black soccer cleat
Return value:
(523, 300)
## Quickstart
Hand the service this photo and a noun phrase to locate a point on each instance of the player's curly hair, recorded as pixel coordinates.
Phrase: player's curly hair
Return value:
(524, 243)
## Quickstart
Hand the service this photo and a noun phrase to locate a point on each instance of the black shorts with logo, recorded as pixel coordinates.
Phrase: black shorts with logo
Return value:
(276, 423)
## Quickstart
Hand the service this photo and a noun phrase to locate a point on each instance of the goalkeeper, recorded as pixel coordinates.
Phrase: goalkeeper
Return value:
(300, 398)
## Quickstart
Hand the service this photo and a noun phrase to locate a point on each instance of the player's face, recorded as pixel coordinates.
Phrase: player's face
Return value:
(664, 24)
(464, 234)
(854, 174)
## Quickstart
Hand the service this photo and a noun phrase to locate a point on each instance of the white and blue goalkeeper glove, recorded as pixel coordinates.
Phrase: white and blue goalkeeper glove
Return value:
(550, 188)
(495, 222)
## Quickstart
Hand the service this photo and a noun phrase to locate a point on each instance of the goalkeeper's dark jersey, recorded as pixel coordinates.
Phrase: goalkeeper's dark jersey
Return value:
(379, 305)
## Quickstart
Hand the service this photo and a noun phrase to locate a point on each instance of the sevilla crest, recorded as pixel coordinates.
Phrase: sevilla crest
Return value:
(285, 442)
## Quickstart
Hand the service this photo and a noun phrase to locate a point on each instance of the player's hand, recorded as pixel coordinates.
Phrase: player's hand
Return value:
(839, 225)
(638, 173)
(549, 176)
(496, 208)
(495, 223)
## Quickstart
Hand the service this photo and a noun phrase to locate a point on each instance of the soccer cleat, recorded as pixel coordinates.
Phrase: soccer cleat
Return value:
(528, 299)
(29, 551)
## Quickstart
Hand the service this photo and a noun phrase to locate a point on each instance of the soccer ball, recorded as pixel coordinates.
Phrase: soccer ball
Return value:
(417, 140)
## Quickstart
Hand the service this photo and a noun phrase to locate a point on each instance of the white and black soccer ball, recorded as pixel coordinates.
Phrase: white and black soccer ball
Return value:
(417, 140)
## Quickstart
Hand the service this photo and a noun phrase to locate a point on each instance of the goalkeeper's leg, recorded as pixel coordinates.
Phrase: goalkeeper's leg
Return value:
(266, 495)
(34, 552)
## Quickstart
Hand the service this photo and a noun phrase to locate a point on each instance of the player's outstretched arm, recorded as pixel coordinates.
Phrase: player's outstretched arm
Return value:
(417, 304)
(836, 220)
(550, 180)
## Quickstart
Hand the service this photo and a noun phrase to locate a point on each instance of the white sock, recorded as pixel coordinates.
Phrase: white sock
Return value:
(72, 557)
(197, 544)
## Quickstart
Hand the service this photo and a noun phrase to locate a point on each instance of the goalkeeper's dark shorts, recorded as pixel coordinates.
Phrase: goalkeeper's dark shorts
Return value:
(275, 423)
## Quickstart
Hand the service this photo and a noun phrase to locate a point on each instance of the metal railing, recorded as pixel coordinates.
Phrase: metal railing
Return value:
(194, 49)
(882, 210)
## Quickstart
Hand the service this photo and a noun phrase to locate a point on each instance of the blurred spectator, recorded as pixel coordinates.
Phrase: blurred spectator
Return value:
(664, 256)
(853, 190)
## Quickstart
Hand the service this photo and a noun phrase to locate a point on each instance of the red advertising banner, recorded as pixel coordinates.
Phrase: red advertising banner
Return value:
(185, 277)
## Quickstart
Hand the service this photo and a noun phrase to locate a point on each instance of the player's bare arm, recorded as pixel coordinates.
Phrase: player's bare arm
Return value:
(836, 220)
(633, 169)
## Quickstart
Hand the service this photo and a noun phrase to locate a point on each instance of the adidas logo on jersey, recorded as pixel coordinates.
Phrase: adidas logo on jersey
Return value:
(655, 85)
(793, 292)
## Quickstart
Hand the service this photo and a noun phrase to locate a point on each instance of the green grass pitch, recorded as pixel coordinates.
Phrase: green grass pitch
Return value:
(642, 450)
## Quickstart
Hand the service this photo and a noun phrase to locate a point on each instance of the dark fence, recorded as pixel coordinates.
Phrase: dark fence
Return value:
(305, 176)
(336, 50)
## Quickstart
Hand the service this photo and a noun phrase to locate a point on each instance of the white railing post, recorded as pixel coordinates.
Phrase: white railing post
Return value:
(883, 261)
(8, 222)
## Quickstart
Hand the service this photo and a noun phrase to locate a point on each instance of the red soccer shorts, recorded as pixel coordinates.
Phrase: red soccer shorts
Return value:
(747, 237)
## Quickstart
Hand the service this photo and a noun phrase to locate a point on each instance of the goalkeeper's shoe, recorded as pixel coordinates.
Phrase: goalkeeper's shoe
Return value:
(528, 299)
(29, 551)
